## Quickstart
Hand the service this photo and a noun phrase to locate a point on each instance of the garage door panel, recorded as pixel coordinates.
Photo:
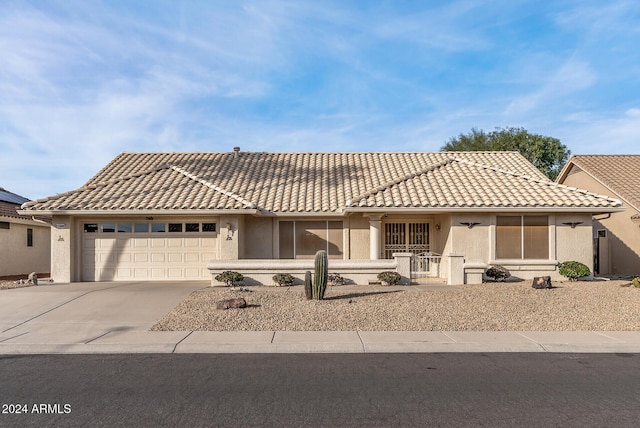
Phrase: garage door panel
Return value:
(158, 257)
(175, 243)
(141, 243)
(141, 257)
(191, 257)
(157, 243)
(174, 258)
(192, 242)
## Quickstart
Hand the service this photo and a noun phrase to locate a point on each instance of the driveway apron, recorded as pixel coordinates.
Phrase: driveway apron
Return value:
(79, 313)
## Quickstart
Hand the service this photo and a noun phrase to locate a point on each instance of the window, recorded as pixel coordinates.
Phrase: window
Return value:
(208, 227)
(175, 227)
(29, 237)
(5, 225)
(107, 227)
(141, 228)
(158, 227)
(91, 227)
(302, 239)
(192, 227)
(602, 233)
(522, 237)
(124, 227)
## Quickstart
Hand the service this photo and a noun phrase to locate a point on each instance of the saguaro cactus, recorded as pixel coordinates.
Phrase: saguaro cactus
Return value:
(308, 286)
(321, 275)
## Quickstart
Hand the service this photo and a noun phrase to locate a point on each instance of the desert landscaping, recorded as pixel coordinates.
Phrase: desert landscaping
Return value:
(503, 306)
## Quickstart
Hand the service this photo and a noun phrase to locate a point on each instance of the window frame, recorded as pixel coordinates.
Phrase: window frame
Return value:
(523, 238)
(292, 253)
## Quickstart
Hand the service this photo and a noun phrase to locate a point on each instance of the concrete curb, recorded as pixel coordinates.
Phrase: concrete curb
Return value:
(138, 341)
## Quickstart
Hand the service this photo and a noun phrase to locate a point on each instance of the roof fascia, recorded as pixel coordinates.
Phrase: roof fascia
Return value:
(120, 213)
(565, 170)
(594, 210)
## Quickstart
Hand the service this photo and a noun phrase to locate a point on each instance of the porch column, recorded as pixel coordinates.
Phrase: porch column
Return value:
(375, 239)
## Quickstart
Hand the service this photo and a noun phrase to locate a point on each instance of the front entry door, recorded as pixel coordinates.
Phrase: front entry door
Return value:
(406, 237)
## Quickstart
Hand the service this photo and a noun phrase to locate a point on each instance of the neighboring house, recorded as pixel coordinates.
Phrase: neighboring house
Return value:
(174, 216)
(616, 235)
(25, 243)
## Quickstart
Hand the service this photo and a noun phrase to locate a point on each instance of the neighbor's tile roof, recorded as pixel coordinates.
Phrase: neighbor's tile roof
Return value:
(319, 183)
(620, 173)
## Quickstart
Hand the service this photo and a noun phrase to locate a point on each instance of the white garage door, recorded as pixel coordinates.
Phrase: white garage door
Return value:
(122, 251)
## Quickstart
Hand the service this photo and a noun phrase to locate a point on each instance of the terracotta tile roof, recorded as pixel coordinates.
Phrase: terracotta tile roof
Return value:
(319, 183)
(620, 173)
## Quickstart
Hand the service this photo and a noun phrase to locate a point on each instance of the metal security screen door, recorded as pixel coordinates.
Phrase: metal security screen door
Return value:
(412, 238)
(405, 238)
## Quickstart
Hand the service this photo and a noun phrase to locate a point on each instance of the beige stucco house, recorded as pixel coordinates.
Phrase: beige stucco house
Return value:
(616, 235)
(25, 243)
(190, 215)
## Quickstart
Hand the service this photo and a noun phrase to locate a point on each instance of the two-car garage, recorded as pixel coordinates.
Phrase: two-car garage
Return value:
(149, 250)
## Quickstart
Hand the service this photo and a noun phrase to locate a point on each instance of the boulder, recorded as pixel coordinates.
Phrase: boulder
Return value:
(232, 303)
(541, 282)
(33, 278)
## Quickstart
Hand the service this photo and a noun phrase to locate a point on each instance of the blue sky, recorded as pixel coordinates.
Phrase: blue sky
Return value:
(81, 81)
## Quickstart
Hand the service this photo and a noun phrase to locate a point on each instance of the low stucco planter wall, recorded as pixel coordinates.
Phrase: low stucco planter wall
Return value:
(260, 272)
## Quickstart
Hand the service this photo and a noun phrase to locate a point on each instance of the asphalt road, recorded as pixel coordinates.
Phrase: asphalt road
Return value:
(190, 390)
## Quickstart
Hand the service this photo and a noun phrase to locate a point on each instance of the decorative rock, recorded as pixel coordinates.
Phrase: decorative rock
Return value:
(232, 303)
(541, 282)
(33, 278)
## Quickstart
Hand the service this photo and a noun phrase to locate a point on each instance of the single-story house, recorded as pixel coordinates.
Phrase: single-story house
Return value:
(617, 234)
(169, 216)
(25, 242)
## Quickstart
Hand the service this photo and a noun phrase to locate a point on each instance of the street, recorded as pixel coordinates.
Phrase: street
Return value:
(463, 389)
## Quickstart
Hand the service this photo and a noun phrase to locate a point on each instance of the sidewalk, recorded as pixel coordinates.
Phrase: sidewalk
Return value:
(136, 341)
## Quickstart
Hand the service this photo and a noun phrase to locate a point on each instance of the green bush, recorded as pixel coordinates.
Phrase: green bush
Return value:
(636, 282)
(229, 277)
(283, 279)
(573, 270)
(498, 273)
(389, 277)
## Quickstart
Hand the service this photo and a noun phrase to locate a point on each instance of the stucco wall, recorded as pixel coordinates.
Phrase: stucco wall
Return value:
(575, 243)
(359, 237)
(258, 238)
(63, 249)
(623, 234)
(16, 258)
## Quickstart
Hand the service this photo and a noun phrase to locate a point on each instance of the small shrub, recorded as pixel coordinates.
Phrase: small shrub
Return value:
(336, 279)
(636, 282)
(283, 279)
(573, 270)
(229, 277)
(498, 273)
(389, 277)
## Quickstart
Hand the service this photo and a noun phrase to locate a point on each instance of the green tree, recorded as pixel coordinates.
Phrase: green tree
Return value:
(547, 154)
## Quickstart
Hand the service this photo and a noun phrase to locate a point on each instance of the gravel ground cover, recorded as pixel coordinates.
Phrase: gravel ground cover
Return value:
(569, 306)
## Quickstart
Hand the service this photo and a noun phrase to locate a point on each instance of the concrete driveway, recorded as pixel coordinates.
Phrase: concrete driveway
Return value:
(56, 316)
